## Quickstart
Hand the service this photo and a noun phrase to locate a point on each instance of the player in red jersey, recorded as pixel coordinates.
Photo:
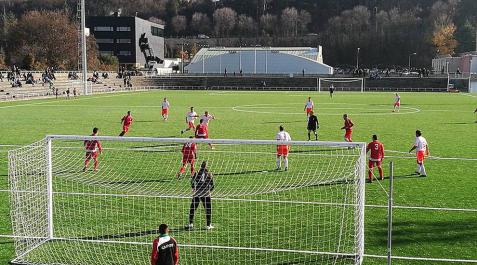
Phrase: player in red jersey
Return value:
(189, 154)
(348, 126)
(375, 158)
(164, 248)
(93, 147)
(126, 121)
(202, 131)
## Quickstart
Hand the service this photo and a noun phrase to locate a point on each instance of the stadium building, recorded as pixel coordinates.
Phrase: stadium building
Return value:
(259, 60)
(120, 36)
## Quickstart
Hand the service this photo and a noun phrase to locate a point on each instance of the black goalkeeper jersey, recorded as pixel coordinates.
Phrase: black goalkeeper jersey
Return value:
(312, 122)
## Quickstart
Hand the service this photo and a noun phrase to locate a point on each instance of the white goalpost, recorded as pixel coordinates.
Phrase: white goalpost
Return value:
(341, 84)
(312, 213)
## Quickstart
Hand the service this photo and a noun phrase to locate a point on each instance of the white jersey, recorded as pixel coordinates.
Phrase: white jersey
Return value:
(207, 118)
(283, 136)
(309, 104)
(420, 144)
(165, 104)
(397, 99)
(191, 116)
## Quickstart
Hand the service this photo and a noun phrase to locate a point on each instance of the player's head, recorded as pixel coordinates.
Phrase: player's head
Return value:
(418, 133)
(345, 116)
(163, 229)
(204, 164)
(206, 112)
(397, 94)
(165, 99)
(281, 128)
(311, 113)
(129, 112)
(201, 120)
(375, 137)
(309, 98)
(95, 130)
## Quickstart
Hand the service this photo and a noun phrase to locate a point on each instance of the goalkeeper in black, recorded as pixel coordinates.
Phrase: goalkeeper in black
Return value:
(313, 125)
(202, 184)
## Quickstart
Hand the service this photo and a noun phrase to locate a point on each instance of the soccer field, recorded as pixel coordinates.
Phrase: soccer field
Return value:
(435, 217)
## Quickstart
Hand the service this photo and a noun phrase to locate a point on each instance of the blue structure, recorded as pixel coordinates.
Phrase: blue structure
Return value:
(259, 60)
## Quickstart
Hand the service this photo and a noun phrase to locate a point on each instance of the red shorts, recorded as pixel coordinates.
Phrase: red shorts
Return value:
(372, 163)
(125, 128)
(165, 111)
(420, 157)
(90, 155)
(308, 110)
(186, 160)
(282, 150)
(397, 104)
(191, 125)
(348, 134)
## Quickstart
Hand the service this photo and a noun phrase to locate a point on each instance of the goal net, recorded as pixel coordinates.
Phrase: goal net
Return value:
(341, 84)
(312, 213)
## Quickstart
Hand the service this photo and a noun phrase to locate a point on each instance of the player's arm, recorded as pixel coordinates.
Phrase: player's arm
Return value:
(367, 148)
(176, 253)
(413, 148)
(317, 123)
(351, 124)
(382, 151)
(122, 119)
(211, 182)
(154, 252)
(427, 150)
(100, 148)
(475, 110)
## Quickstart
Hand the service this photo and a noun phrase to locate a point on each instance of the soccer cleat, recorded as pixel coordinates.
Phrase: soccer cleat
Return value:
(417, 173)
(84, 169)
(423, 176)
(277, 169)
(209, 227)
(182, 132)
(369, 181)
(381, 178)
(179, 175)
(189, 226)
(286, 169)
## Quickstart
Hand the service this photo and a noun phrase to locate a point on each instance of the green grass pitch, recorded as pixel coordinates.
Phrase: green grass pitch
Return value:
(446, 121)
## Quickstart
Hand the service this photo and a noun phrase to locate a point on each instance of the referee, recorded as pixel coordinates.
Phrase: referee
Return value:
(313, 124)
(202, 184)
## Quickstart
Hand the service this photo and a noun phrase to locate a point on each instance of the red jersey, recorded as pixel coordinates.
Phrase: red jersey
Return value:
(348, 124)
(189, 151)
(377, 150)
(164, 251)
(92, 145)
(202, 130)
(127, 120)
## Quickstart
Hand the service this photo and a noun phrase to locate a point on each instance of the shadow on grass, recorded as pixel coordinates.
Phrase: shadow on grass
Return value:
(124, 235)
(284, 122)
(127, 182)
(242, 172)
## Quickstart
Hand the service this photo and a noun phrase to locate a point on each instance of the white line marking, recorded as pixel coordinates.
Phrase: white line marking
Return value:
(422, 259)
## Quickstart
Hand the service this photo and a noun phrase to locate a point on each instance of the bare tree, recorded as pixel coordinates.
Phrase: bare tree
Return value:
(224, 19)
(289, 19)
(200, 22)
(268, 23)
(246, 25)
(179, 24)
(304, 21)
(157, 20)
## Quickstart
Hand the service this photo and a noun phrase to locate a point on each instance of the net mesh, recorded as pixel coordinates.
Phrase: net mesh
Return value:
(341, 84)
(310, 214)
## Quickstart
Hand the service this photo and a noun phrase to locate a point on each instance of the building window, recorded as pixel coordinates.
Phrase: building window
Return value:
(155, 31)
(103, 29)
(106, 53)
(123, 40)
(104, 40)
(123, 29)
(124, 53)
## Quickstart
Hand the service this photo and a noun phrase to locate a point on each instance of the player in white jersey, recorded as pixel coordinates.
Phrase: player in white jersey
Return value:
(282, 149)
(165, 105)
(422, 151)
(397, 103)
(190, 118)
(309, 105)
(206, 117)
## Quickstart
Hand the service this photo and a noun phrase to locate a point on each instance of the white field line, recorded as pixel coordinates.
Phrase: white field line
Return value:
(255, 249)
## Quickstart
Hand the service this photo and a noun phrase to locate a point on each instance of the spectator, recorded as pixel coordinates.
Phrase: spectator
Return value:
(164, 248)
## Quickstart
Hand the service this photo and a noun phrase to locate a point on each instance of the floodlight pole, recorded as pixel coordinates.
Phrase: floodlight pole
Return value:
(410, 62)
(83, 48)
(390, 211)
(357, 59)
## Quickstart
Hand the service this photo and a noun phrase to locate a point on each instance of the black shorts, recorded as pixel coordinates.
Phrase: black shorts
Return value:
(310, 128)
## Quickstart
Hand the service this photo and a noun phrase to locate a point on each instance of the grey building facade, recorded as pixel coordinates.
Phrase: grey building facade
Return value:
(119, 36)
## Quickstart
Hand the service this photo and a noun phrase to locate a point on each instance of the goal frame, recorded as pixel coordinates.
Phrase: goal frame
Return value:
(361, 170)
(341, 80)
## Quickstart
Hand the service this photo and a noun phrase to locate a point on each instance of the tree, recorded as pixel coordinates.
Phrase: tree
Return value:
(444, 40)
(268, 23)
(289, 21)
(224, 21)
(179, 24)
(157, 20)
(246, 26)
(304, 21)
(200, 23)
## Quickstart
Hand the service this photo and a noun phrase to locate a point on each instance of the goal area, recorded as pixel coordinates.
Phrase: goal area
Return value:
(341, 84)
(312, 213)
